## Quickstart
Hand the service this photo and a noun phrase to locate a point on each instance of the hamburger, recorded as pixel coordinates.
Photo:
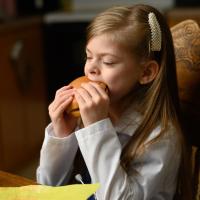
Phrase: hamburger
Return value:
(73, 108)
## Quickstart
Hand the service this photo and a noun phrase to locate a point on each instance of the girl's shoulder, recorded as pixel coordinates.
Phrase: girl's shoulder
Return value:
(169, 131)
(168, 136)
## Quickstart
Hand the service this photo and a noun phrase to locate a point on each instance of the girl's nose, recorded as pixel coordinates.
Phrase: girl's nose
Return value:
(94, 69)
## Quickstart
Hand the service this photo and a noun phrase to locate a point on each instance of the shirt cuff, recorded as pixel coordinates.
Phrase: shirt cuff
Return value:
(98, 127)
(52, 139)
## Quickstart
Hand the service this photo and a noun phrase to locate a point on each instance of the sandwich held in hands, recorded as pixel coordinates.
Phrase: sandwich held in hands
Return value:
(73, 108)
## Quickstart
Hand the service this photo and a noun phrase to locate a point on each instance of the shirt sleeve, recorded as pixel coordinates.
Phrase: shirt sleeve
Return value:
(56, 158)
(156, 170)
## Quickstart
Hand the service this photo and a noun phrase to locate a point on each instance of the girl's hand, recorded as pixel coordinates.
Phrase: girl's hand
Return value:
(93, 102)
(63, 124)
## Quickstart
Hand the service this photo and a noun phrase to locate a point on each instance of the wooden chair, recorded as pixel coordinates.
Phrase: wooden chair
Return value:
(186, 38)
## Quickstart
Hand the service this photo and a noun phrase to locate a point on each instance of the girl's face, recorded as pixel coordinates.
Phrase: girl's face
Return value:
(109, 62)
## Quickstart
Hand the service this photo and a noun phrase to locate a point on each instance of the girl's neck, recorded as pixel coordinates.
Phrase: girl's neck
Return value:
(116, 110)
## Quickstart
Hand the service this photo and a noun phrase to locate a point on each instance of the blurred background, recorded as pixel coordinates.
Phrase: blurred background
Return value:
(41, 49)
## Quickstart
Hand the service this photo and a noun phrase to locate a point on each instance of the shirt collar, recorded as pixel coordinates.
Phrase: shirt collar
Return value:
(128, 122)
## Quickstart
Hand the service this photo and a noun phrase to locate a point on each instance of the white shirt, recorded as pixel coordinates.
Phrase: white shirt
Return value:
(101, 145)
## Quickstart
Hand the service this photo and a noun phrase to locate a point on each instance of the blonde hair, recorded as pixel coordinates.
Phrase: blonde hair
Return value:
(129, 26)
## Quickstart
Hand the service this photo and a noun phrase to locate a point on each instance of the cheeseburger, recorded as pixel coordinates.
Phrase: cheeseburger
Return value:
(73, 108)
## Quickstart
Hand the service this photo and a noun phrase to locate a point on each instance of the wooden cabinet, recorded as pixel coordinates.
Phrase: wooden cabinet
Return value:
(176, 15)
(23, 107)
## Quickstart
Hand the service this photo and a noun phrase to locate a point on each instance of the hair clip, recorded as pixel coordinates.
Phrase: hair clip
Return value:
(155, 44)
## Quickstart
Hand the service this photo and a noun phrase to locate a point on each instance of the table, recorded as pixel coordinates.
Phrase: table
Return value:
(11, 180)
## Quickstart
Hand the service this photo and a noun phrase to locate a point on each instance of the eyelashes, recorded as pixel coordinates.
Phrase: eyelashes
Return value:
(105, 62)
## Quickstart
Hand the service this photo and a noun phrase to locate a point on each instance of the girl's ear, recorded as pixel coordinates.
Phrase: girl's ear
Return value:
(149, 72)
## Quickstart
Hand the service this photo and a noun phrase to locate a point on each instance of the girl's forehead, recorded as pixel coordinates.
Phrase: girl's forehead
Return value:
(107, 37)
(105, 42)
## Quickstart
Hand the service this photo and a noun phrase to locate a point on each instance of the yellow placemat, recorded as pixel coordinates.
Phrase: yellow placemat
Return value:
(41, 192)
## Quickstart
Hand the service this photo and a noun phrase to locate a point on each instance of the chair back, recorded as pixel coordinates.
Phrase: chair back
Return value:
(186, 38)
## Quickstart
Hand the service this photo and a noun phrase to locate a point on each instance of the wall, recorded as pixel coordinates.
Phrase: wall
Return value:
(100, 5)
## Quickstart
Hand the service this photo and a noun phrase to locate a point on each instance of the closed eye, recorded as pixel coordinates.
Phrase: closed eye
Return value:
(108, 63)
(88, 58)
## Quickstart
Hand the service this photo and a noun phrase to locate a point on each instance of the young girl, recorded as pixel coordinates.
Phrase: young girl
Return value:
(130, 139)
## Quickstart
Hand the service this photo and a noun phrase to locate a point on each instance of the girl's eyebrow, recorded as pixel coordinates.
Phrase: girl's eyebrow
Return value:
(103, 54)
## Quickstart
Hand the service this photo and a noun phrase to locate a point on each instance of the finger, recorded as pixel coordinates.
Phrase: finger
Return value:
(64, 92)
(95, 91)
(62, 89)
(79, 98)
(60, 100)
(90, 89)
(101, 91)
(60, 108)
(86, 96)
